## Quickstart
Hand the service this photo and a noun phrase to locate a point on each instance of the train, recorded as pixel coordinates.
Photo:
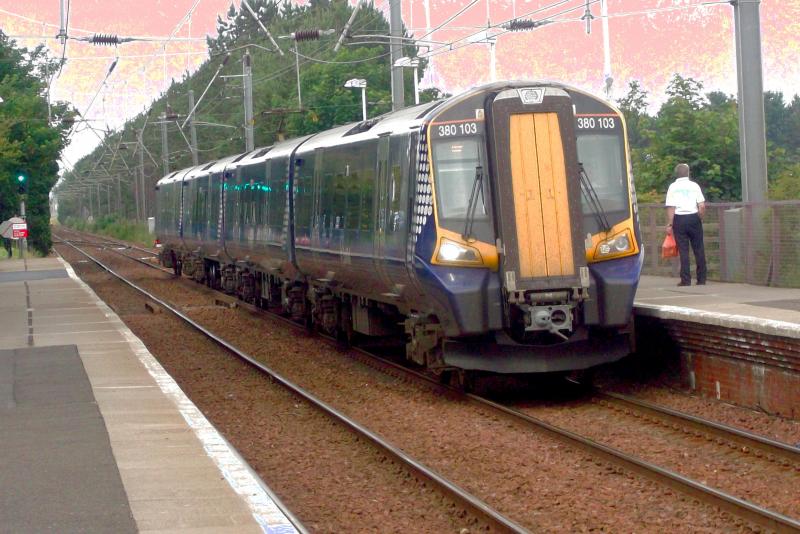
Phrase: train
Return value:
(494, 231)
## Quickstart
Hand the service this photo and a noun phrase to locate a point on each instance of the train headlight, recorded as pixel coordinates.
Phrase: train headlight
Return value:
(621, 244)
(452, 252)
(618, 245)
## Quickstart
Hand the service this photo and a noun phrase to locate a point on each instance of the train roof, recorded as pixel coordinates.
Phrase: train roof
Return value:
(396, 121)
(403, 120)
(263, 154)
(175, 176)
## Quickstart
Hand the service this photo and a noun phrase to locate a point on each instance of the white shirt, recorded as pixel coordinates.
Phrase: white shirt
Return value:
(684, 195)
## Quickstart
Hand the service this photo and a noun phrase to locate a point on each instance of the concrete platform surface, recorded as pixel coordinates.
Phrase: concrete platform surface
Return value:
(767, 310)
(95, 435)
(52, 436)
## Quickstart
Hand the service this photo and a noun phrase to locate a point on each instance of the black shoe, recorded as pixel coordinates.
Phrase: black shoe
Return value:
(683, 284)
(701, 282)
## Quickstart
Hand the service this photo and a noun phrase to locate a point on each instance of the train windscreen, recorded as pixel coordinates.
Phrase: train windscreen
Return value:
(602, 158)
(456, 162)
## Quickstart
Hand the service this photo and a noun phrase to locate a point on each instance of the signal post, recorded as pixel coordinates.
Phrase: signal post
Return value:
(22, 185)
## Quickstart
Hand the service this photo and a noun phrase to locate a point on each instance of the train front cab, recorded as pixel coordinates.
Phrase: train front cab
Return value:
(563, 251)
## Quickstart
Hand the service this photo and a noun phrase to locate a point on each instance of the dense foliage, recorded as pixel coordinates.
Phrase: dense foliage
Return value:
(113, 226)
(692, 126)
(31, 137)
(703, 131)
(325, 100)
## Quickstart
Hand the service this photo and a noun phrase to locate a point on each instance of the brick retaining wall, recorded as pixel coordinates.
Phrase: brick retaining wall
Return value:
(736, 365)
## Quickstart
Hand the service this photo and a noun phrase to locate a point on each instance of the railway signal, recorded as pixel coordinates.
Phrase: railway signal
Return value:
(22, 183)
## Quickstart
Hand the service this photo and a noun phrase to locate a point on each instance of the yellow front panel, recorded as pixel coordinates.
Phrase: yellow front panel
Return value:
(527, 204)
(539, 181)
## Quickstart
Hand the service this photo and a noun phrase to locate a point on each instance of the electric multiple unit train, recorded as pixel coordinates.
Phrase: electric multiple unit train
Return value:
(495, 230)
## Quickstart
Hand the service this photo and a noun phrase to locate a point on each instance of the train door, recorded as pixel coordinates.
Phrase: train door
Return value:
(381, 204)
(398, 205)
(537, 190)
(318, 215)
(181, 203)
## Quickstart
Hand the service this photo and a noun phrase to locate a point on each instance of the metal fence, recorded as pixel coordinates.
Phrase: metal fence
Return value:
(754, 243)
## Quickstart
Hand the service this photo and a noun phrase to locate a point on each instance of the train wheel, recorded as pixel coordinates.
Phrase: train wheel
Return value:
(460, 379)
(209, 270)
(308, 317)
(345, 334)
(212, 275)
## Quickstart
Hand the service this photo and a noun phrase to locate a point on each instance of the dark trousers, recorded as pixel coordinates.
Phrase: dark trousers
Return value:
(688, 229)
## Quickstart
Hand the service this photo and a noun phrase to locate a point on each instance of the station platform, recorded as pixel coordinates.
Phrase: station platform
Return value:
(96, 436)
(767, 310)
(737, 343)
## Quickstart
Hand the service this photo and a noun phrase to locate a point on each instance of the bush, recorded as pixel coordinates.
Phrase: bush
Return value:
(113, 226)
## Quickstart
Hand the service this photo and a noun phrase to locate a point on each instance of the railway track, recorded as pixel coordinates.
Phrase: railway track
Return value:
(469, 502)
(737, 506)
(746, 442)
(789, 455)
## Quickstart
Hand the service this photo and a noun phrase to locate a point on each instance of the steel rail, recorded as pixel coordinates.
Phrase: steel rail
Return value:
(116, 251)
(740, 507)
(725, 501)
(742, 437)
(705, 493)
(477, 506)
(134, 247)
(143, 262)
(108, 240)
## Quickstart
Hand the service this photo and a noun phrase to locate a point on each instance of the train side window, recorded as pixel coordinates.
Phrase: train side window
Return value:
(369, 163)
(334, 190)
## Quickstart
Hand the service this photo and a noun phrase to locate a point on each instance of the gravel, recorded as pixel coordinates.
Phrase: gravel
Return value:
(535, 480)
(332, 481)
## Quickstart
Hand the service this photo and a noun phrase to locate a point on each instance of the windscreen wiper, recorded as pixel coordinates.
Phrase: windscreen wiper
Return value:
(477, 187)
(593, 200)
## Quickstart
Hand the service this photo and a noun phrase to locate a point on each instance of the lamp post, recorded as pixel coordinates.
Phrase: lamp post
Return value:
(412, 62)
(359, 83)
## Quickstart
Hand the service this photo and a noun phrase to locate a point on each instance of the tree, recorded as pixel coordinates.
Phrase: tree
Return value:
(634, 108)
(31, 138)
(323, 72)
(690, 128)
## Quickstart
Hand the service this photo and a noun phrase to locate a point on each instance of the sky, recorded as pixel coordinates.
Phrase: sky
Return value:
(648, 41)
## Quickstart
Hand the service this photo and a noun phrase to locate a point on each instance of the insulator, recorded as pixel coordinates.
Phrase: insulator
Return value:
(522, 25)
(104, 39)
(306, 35)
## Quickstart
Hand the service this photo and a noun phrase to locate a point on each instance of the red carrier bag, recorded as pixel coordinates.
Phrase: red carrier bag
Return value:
(669, 249)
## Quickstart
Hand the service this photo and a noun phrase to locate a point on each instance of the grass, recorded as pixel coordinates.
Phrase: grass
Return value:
(112, 226)
(16, 255)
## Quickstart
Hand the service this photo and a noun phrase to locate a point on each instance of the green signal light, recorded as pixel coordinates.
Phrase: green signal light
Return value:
(21, 178)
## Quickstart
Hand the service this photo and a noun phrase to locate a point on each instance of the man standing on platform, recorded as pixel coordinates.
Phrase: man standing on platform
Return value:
(685, 209)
